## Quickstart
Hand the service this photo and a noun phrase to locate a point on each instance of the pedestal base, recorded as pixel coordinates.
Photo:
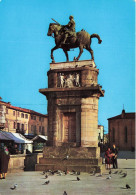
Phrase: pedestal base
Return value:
(68, 158)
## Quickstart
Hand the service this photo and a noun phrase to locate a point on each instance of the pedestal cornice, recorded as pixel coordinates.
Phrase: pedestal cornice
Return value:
(94, 89)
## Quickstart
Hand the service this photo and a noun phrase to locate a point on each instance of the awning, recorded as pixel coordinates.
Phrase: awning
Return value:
(3, 137)
(40, 138)
(16, 137)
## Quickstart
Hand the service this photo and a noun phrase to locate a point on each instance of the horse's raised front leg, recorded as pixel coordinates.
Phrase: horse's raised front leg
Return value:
(52, 57)
(81, 51)
(66, 53)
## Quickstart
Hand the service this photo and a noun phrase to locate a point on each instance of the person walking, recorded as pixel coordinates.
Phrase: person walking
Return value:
(4, 160)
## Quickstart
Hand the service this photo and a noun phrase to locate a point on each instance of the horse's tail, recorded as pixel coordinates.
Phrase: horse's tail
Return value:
(96, 36)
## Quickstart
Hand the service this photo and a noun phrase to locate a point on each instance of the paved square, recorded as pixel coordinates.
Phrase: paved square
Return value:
(31, 183)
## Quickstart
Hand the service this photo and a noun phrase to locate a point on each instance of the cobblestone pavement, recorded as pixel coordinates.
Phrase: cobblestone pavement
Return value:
(31, 183)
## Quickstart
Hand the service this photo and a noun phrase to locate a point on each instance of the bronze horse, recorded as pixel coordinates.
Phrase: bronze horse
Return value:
(81, 39)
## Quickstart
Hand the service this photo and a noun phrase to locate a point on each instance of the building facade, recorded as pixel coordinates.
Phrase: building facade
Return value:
(122, 131)
(2, 116)
(20, 120)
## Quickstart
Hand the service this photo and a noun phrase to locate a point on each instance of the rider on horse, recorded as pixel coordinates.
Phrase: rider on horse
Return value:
(69, 30)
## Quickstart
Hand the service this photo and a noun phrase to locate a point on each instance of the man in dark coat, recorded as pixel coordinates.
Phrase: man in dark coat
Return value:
(4, 160)
(114, 158)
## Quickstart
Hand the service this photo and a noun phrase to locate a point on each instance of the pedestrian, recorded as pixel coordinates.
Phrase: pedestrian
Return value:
(114, 156)
(108, 158)
(4, 160)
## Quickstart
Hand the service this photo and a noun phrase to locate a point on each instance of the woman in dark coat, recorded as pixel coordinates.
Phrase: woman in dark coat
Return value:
(4, 160)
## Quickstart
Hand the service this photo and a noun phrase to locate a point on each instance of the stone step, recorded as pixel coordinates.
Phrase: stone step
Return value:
(81, 168)
(92, 161)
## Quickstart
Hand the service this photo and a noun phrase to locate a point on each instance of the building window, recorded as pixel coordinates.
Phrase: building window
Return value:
(22, 127)
(13, 113)
(18, 114)
(113, 135)
(26, 115)
(35, 130)
(41, 118)
(22, 115)
(39, 129)
(14, 125)
(31, 128)
(33, 117)
(126, 135)
(43, 132)
(6, 111)
(18, 126)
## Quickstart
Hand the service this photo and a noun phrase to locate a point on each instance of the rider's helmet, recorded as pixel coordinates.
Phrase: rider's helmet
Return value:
(71, 17)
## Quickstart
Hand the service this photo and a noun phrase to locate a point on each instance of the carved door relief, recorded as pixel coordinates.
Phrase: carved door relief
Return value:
(69, 127)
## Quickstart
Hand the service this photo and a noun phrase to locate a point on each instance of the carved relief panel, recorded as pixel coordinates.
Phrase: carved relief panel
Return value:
(68, 80)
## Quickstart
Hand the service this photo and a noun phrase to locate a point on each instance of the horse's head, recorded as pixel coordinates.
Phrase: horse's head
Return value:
(53, 28)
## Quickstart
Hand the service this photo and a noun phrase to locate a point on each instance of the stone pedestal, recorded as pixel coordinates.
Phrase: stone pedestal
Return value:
(73, 94)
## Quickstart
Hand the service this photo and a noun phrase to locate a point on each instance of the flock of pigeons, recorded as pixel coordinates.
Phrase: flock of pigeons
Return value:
(60, 173)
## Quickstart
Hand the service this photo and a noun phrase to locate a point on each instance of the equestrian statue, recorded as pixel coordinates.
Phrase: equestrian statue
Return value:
(67, 38)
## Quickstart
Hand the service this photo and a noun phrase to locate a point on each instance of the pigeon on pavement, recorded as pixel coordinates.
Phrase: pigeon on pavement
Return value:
(120, 172)
(124, 174)
(115, 172)
(78, 179)
(47, 182)
(46, 176)
(13, 188)
(127, 186)
(108, 177)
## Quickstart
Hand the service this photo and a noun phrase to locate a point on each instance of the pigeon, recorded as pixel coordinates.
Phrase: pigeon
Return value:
(65, 172)
(13, 188)
(78, 172)
(110, 172)
(47, 182)
(93, 173)
(46, 176)
(108, 177)
(44, 172)
(115, 172)
(78, 179)
(120, 172)
(127, 186)
(124, 174)
(60, 174)
(75, 172)
(65, 193)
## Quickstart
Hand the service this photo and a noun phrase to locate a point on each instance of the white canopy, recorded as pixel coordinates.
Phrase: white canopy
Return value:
(16, 137)
(40, 136)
